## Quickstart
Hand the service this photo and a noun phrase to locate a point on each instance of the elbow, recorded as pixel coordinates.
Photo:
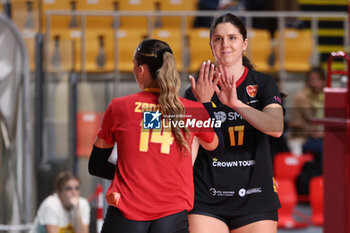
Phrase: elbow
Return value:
(276, 134)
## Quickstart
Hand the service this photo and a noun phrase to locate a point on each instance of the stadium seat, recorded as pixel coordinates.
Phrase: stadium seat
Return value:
(317, 200)
(97, 5)
(199, 48)
(88, 124)
(177, 5)
(297, 49)
(60, 21)
(288, 198)
(259, 49)
(63, 50)
(135, 5)
(288, 166)
(99, 51)
(128, 40)
(173, 38)
(25, 14)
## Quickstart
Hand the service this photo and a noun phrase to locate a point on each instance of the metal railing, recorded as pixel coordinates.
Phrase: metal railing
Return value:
(248, 15)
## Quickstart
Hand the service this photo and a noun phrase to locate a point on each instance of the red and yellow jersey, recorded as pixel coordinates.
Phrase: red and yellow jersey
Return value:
(154, 177)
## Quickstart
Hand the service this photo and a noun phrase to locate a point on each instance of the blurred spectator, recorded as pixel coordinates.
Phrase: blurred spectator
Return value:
(64, 210)
(213, 5)
(280, 144)
(271, 24)
(308, 103)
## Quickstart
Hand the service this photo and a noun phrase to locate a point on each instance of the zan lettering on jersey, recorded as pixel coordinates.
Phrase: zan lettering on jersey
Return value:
(141, 107)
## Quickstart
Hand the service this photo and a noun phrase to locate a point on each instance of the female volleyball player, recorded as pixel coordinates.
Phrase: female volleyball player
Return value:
(152, 187)
(236, 192)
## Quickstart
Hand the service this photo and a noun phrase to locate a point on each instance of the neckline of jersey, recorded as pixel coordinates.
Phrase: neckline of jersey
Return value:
(152, 89)
(241, 79)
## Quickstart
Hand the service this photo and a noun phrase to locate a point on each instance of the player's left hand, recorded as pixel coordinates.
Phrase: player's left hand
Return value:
(227, 92)
(205, 87)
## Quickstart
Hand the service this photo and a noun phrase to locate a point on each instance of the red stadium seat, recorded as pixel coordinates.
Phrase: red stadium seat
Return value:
(288, 166)
(316, 200)
(88, 124)
(289, 199)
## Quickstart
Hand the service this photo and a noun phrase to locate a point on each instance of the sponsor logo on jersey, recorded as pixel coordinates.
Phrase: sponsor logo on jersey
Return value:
(239, 163)
(243, 192)
(113, 198)
(220, 116)
(151, 120)
(252, 90)
(220, 193)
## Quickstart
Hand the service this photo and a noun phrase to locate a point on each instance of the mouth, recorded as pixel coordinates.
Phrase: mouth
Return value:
(225, 53)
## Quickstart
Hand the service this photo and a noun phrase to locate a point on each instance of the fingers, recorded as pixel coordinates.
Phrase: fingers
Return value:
(217, 79)
(193, 82)
(206, 72)
(201, 72)
(211, 73)
(217, 90)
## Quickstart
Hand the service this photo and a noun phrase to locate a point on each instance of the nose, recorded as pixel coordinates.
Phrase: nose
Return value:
(224, 42)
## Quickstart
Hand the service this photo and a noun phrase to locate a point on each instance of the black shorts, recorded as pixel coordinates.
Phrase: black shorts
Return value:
(234, 222)
(115, 222)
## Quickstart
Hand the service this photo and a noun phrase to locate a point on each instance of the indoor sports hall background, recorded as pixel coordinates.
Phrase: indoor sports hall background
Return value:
(62, 61)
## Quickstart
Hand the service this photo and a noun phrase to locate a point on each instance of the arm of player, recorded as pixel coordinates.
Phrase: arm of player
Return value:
(98, 161)
(268, 121)
(203, 91)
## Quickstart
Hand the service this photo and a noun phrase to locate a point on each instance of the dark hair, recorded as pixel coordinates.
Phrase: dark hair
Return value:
(238, 23)
(62, 178)
(317, 70)
(159, 58)
(150, 52)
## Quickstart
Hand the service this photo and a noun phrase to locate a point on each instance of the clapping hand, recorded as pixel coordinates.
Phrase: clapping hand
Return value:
(227, 93)
(205, 87)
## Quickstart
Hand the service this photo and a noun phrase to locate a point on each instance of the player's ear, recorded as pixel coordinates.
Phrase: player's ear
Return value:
(141, 70)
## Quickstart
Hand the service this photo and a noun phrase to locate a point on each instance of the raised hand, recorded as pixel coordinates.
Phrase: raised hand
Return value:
(227, 92)
(205, 87)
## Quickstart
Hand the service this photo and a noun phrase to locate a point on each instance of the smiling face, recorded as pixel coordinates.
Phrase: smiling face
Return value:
(228, 44)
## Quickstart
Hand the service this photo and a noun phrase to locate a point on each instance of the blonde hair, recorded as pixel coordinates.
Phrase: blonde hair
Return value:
(158, 56)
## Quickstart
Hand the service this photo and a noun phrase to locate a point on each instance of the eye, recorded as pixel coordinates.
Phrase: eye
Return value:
(232, 37)
(217, 39)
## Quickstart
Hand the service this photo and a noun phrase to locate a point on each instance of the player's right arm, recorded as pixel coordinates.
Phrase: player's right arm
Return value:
(98, 162)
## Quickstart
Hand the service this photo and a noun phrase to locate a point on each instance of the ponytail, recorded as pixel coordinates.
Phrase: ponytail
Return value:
(161, 63)
(169, 82)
